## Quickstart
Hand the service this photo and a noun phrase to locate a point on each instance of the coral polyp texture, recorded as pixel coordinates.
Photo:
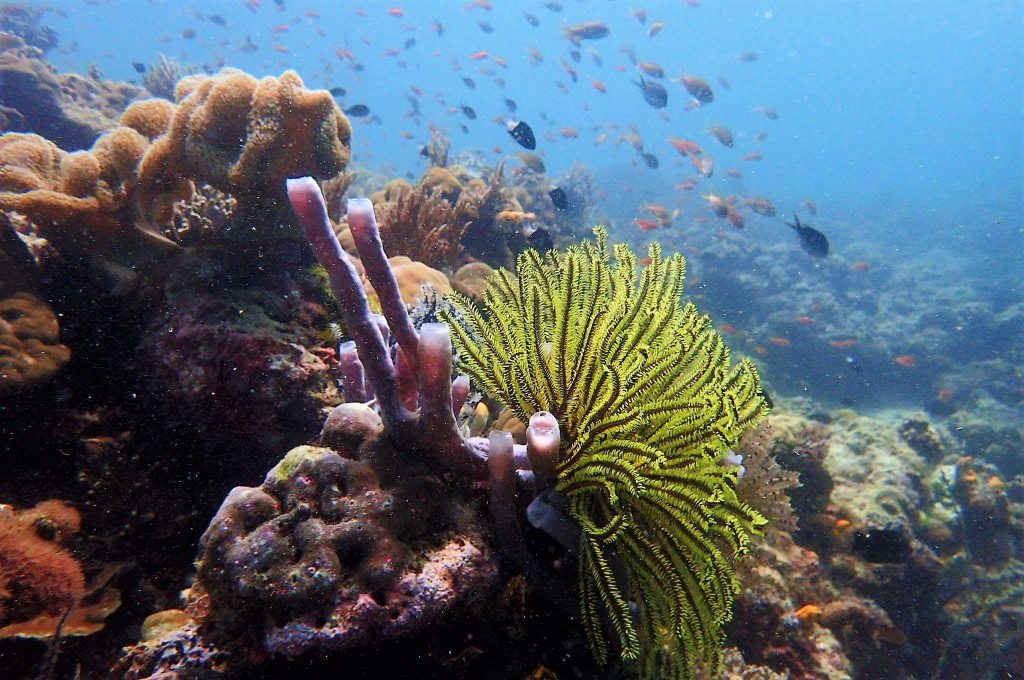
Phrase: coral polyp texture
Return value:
(30, 347)
(246, 136)
(648, 405)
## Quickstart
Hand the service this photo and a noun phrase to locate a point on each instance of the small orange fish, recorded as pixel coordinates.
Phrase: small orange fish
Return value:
(860, 266)
(728, 329)
(312, 14)
(944, 394)
(477, 56)
(281, 28)
(396, 12)
(760, 351)
(405, 134)
(644, 224)
(497, 149)
(282, 49)
(644, 261)
(754, 156)
(734, 217)
(808, 612)
(842, 344)
(568, 132)
(684, 146)
(780, 342)
(599, 86)
(840, 526)
(655, 28)
(905, 360)
(804, 319)
(994, 482)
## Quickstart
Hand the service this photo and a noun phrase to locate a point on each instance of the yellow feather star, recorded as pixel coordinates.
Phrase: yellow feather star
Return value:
(648, 404)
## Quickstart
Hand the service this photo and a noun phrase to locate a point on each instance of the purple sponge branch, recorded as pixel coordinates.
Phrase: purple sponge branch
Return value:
(424, 362)
(309, 206)
(366, 235)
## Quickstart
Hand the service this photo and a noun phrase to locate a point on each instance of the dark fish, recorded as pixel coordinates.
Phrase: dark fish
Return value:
(139, 67)
(470, 83)
(558, 197)
(510, 104)
(279, 3)
(532, 20)
(337, 91)
(883, 545)
(188, 34)
(218, 19)
(575, 54)
(540, 240)
(486, 27)
(437, 27)
(588, 30)
(468, 110)
(699, 89)
(655, 94)
(651, 160)
(409, 42)
(248, 46)
(523, 134)
(358, 110)
(465, 130)
(812, 241)
(554, 6)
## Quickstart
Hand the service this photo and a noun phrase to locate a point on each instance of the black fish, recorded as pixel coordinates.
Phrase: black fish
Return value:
(559, 198)
(468, 110)
(523, 134)
(812, 241)
(651, 160)
(465, 130)
(510, 105)
(409, 42)
(541, 240)
(532, 20)
(655, 94)
(359, 110)
(279, 3)
(337, 91)
(486, 27)
(470, 83)
(139, 66)
(218, 19)
(883, 545)
(437, 27)
(575, 54)
(554, 6)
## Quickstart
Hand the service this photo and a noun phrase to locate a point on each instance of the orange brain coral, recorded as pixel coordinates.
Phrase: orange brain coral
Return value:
(239, 133)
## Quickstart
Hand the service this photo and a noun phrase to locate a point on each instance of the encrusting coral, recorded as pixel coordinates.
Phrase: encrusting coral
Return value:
(647, 405)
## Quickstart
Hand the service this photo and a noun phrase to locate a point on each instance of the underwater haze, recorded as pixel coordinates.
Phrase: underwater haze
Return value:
(518, 339)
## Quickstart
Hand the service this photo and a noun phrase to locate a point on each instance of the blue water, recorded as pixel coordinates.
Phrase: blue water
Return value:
(919, 102)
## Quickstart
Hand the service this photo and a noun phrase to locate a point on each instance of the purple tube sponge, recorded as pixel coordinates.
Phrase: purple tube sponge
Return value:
(415, 399)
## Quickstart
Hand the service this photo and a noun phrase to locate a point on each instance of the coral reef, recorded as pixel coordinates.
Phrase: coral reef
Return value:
(70, 110)
(334, 558)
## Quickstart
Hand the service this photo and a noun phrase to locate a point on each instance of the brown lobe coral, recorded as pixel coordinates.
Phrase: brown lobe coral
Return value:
(241, 134)
(30, 347)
